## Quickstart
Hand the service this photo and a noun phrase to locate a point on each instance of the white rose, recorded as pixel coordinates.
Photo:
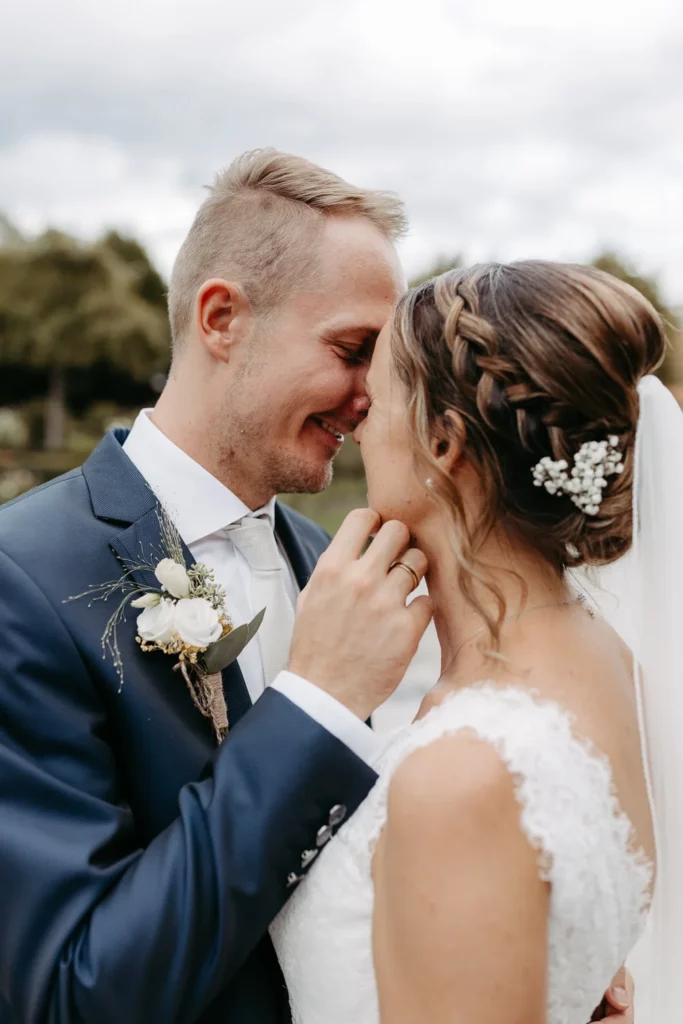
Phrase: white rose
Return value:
(173, 577)
(146, 601)
(156, 624)
(197, 622)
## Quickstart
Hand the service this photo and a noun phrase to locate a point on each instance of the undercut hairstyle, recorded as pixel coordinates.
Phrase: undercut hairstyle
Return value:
(260, 225)
(534, 359)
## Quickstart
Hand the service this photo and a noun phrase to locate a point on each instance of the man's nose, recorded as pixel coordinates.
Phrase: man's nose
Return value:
(360, 404)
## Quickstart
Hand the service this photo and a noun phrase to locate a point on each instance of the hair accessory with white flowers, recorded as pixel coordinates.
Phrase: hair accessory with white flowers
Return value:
(586, 482)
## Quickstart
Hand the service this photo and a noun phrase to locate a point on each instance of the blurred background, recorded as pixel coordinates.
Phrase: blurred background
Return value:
(529, 129)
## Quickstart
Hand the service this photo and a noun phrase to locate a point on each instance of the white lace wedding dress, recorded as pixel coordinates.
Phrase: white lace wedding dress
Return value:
(599, 882)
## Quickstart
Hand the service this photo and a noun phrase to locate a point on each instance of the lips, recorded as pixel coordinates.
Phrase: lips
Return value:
(327, 433)
(329, 428)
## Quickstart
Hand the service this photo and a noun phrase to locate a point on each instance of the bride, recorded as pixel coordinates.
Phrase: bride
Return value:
(503, 866)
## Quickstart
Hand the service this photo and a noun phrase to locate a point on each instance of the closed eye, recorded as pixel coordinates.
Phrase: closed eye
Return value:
(353, 356)
(355, 349)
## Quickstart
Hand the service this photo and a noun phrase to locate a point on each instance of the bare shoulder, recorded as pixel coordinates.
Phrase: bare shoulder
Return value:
(457, 889)
(454, 779)
(453, 814)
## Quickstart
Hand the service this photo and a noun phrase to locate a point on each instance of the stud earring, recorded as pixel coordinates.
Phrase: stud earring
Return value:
(429, 482)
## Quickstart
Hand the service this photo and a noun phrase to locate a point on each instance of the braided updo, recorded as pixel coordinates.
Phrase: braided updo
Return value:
(535, 358)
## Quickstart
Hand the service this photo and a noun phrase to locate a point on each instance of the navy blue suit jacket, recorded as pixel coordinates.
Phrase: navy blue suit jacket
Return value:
(140, 865)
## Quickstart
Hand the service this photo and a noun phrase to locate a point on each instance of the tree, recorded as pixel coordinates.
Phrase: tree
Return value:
(65, 304)
(647, 286)
(149, 284)
(9, 234)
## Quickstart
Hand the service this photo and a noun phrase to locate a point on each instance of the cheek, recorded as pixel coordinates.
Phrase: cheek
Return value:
(393, 486)
(325, 371)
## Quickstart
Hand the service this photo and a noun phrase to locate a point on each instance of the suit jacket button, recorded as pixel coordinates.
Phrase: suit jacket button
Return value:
(293, 879)
(337, 815)
(308, 856)
(324, 835)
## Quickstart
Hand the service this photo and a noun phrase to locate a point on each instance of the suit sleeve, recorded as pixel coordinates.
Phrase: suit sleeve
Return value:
(94, 926)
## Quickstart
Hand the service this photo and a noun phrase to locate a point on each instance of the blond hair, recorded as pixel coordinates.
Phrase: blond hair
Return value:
(258, 227)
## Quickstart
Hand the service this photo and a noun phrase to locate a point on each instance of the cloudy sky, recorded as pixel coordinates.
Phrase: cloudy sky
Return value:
(511, 127)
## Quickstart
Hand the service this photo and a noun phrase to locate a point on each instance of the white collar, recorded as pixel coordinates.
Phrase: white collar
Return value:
(198, 503)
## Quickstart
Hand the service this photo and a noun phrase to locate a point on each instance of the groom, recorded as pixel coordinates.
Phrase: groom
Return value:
(140, 866)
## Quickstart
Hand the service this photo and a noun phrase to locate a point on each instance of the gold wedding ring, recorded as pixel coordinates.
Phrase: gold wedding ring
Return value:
(409, 569)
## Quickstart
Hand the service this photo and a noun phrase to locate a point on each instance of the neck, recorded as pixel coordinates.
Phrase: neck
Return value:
(200, 432)
(522, 578)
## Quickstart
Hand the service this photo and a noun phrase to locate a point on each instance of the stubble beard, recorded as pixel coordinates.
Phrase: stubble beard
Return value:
(290, 475)
(278, 472)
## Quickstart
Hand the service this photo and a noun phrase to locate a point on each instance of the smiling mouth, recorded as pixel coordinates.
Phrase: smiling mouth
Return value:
(328, 428)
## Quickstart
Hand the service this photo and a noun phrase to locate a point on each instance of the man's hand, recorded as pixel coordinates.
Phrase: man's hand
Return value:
(618, 1001)
(354, 635)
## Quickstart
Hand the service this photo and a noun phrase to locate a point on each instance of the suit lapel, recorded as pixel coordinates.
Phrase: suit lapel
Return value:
(140, 546)
(119, 493)
(142, 542)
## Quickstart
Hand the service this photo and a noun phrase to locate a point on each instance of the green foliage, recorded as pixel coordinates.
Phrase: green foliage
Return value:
(9, 234)
(67, 305)
(149, 284)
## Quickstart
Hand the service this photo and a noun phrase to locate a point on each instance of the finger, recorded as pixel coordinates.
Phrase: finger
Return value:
(620, 992)
(618, 1016)
(421, 611)
(619, 979)
(399, 575)
(388, 546)
(352, 535)
(600, 1011)
(618, 998)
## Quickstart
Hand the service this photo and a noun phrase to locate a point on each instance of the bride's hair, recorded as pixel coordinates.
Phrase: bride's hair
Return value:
(535, 358)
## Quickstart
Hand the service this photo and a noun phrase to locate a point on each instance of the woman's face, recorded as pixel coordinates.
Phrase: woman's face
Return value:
(394, 488)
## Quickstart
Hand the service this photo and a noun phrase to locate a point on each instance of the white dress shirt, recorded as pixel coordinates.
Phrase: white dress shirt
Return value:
(201, 508)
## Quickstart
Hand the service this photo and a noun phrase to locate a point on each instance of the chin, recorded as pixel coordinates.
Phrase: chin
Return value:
(388, 508)
(301, 476)
(385, 510)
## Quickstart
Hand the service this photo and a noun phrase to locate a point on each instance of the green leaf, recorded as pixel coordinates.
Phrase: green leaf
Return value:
(225, 651)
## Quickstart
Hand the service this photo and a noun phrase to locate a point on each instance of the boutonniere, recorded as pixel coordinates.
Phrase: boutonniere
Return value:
(183, 615)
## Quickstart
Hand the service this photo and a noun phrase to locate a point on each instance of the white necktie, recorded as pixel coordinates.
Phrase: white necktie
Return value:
(255, 539)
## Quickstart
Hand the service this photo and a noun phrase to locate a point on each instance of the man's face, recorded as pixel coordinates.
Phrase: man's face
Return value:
(302, 384)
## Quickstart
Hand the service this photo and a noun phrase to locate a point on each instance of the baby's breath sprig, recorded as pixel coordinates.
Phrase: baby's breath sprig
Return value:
(204, 585)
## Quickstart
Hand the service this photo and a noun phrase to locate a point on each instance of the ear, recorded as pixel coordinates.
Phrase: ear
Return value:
(223, 316)
(448, 444)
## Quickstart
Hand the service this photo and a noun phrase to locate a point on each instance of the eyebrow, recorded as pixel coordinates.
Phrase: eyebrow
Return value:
(362, 331)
